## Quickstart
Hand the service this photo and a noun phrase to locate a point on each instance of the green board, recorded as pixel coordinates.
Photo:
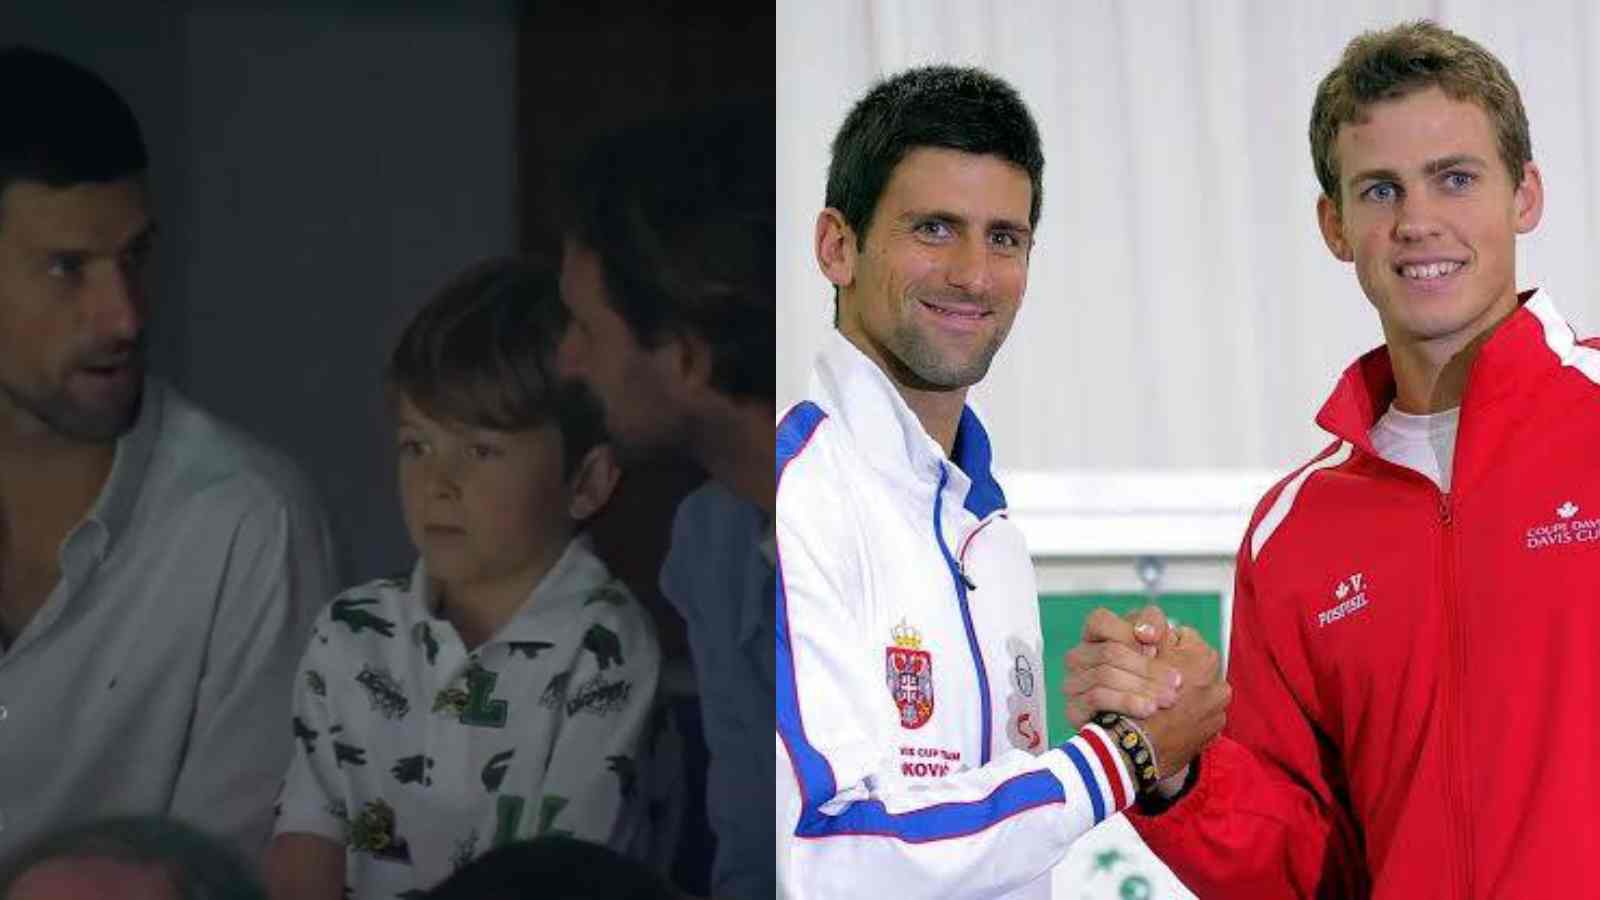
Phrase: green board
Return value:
(1062, 616)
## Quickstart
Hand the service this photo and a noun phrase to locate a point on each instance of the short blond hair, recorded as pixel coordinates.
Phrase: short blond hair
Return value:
(1384, 65)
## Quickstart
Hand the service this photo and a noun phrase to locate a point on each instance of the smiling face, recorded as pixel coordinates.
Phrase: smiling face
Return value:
(932, 291)
(1429, 214)
(72, 306)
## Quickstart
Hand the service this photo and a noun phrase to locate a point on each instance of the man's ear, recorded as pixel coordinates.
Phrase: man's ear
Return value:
(688, 358)
(836, 248)
(1331, 222)
(592, 481)
(1529, 198)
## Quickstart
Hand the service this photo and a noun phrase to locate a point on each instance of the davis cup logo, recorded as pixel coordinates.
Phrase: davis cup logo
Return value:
(909, 672)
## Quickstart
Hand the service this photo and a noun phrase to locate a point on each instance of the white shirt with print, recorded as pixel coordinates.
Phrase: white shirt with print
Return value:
(419, 756)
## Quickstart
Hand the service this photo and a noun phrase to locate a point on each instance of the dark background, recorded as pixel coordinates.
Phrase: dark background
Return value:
(318, 170)
(583, 69)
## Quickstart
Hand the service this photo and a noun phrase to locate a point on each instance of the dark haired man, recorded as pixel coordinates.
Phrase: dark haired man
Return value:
(158, 569)
(1413, 606)
(910, 684)
(668, 273)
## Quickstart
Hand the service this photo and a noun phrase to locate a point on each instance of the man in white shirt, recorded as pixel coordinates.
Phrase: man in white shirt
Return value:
(158, 569)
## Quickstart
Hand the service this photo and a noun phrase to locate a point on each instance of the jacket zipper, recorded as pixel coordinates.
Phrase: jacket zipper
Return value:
(1454, 679)
(961, 569)
(959, 576)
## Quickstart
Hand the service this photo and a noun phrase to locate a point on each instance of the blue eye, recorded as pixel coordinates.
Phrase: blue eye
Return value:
(1382, 192)
(1005, 239)
(1459, 181)
(932, 228)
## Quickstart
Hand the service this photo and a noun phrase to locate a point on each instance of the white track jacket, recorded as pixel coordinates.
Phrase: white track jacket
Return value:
(912, 760)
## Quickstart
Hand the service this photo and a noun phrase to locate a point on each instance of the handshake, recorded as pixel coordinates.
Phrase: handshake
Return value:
(1165, 679)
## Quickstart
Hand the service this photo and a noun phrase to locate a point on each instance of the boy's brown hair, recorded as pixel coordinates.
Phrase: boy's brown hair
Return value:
(481, 352)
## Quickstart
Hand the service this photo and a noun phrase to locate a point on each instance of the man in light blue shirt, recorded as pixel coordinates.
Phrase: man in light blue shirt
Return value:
(718, 575)
(668, 272)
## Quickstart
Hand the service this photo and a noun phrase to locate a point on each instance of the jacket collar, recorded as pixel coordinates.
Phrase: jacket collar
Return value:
(1530, 344)
(890, 436)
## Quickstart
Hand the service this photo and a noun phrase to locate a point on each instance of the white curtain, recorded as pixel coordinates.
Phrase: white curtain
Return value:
(1182, 312)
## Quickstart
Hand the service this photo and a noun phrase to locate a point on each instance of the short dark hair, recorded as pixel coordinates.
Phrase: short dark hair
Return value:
(481, 352)
(62, 124)
(553, 868)
(955, 108)
(680, 211)
(199, 866)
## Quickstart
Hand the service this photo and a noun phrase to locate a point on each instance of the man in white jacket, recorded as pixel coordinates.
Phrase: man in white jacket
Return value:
(912, 754)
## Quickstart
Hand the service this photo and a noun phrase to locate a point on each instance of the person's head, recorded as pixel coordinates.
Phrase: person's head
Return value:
(500, 461)
(933, 196)
(75, 232)
(140, 858)
(668, 272)
(553, 868)
(1421, 147)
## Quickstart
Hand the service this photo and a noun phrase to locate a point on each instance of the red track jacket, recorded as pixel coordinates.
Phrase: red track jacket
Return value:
(1417, 674)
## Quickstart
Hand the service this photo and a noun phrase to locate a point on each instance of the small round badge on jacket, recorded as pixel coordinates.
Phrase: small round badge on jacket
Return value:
(1025, 726)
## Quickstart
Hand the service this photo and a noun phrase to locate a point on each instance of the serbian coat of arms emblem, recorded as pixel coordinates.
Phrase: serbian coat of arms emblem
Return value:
(908, 669)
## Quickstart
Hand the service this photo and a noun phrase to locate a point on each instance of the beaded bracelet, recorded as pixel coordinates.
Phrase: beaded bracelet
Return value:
(1132, 741)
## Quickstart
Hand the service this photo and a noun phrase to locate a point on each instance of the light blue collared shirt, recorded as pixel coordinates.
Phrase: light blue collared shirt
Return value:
(719, 576)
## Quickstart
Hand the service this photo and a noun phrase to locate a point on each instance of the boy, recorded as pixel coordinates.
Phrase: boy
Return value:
(503, 690)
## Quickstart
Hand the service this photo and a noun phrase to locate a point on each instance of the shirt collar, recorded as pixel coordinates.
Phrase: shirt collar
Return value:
(769, 543)
(891, 436)
(1528, 345)
(113, 508)
(574, 580)
(755, 614)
